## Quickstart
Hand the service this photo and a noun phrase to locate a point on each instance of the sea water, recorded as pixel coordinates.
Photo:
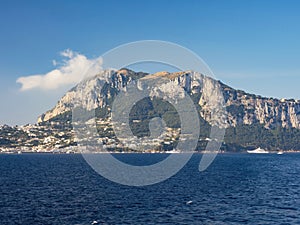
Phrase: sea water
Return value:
(235, 189)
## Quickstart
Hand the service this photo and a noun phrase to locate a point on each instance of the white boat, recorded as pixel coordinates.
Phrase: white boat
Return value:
(173, 151)
(280, 153)
(258, 151)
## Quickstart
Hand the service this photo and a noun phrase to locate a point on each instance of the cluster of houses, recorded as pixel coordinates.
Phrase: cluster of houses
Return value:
(61, 137)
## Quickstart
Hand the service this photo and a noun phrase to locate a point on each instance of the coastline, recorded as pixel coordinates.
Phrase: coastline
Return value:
(63, 151)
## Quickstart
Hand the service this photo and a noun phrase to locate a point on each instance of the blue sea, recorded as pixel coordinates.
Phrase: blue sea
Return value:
(235, 189)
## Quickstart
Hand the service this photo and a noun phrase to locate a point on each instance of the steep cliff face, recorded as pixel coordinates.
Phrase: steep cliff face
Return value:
(90, 94)
(244, 108)
(241, 107)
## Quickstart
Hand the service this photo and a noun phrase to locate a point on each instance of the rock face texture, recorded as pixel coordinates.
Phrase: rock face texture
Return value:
(213, 96)
(244, 108)
(91, 93)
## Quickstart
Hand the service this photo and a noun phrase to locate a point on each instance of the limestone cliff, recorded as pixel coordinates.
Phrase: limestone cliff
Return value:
(241, 107)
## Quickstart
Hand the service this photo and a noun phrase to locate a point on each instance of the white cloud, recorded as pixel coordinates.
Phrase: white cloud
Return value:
(74, 67)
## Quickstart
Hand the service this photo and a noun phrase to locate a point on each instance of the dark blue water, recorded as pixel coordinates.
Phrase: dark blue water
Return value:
(235, 189)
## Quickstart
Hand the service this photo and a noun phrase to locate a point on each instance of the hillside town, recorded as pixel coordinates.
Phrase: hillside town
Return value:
(49, 137)
(59, 137)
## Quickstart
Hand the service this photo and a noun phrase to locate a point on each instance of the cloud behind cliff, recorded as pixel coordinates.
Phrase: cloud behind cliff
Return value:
(71, 70)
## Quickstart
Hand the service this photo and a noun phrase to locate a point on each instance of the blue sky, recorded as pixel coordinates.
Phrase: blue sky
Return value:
(249, 45)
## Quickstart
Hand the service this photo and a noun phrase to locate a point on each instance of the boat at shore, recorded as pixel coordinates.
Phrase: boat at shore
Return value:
(258, 151)
(173, 151)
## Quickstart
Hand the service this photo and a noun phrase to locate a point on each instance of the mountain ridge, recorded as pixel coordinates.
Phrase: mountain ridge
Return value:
(250, 120)
(241, 107)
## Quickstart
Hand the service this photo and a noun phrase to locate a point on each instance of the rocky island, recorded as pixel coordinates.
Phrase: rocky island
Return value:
(251, 121)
